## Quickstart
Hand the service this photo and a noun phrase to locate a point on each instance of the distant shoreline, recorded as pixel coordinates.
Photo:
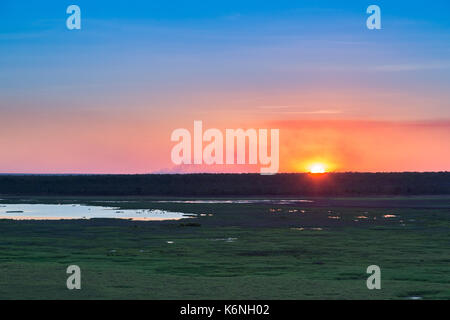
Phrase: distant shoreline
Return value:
(206, 173)
(222, 185)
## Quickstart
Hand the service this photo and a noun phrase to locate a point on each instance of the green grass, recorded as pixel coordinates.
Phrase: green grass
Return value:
(267, 258)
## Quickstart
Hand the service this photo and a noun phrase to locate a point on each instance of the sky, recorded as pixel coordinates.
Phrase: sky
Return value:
(106, 98)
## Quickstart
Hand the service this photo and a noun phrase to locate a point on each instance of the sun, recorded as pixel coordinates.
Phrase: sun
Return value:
(317, 168)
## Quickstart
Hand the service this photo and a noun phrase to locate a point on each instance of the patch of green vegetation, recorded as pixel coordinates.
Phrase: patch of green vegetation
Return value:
(242, 251)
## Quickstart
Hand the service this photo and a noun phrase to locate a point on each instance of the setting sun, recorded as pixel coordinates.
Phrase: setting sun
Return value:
(317, 168)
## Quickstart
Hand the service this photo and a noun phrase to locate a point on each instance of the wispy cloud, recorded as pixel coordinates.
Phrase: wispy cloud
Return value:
(314, 112)
(411, 67)
(280, 109)
(399, 67)
(273, 107)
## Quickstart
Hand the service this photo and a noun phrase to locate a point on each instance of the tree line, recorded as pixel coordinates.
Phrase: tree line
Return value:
(301, 184)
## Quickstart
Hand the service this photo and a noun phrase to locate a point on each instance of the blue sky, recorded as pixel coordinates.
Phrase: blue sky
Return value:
(150, 48)
(138, 69)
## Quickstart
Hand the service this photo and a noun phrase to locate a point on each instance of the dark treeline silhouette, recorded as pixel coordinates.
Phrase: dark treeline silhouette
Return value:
(330, 184)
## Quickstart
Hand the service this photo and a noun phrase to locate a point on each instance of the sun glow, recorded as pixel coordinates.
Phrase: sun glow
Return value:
(317, 168)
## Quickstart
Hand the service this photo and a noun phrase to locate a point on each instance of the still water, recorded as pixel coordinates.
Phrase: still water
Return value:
(78, 211)
(256, 201)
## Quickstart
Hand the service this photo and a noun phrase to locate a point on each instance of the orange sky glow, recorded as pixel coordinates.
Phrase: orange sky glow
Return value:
(120, 144)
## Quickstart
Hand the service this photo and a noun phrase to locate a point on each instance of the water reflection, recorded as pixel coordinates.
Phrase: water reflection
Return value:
(256, 201)
(77, 211)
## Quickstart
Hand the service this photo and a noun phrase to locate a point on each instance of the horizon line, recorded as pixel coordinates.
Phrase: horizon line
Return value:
(207, 173)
